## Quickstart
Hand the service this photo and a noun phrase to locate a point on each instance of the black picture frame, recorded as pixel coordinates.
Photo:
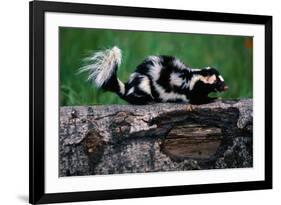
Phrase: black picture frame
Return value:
(37, 11)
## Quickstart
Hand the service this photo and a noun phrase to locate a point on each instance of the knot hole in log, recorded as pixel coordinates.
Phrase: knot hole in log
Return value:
(197, 134)
(192, 141)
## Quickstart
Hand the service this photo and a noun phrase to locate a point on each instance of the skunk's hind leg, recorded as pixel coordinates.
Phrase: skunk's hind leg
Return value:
(138, 90)
(138, 99)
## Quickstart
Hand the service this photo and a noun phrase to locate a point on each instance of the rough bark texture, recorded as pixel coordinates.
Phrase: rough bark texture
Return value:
(160, 137)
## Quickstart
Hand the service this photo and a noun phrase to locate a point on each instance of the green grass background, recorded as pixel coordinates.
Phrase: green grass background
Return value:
(231, 55)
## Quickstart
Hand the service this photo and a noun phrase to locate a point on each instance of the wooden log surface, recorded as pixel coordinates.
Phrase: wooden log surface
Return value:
(115, 139)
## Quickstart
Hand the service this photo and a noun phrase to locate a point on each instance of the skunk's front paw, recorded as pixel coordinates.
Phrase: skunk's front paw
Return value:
(189, 108)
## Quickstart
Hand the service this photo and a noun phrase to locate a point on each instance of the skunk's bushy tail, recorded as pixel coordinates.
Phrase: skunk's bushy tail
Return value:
(102, 68)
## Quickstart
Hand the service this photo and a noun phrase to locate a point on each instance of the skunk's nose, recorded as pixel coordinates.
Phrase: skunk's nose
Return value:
(225, 88)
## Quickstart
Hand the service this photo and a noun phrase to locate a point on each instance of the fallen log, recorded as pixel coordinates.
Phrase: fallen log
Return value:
(95, 140)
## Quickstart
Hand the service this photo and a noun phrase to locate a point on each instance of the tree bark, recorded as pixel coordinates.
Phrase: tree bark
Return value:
(115, 139)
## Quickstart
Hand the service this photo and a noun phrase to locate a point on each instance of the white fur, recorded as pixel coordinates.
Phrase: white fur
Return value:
(131, 91)
(209, 79)
(195, 69)
(156, 68)
(212, 79)
(144, 85)
(194, 80)
(221, 78)
(175, 79)
(102, 65)
(206, 80)
(177, 63)
(132, 77)
(154, 59)
(122, 87)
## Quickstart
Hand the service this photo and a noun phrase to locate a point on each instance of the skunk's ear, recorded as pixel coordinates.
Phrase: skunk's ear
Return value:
(209, 79)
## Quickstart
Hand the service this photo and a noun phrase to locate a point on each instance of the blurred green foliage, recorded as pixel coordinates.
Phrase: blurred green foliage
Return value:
(231, 55)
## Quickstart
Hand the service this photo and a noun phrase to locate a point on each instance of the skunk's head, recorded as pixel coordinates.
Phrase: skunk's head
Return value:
(205, 81)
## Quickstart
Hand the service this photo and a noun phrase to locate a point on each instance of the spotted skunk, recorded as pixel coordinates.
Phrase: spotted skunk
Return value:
(156, 79)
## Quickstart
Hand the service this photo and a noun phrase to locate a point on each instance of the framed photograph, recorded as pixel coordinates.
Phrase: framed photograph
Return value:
(141, 102)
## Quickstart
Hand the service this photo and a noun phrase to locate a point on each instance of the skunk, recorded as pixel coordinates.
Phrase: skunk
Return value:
(156, 79)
